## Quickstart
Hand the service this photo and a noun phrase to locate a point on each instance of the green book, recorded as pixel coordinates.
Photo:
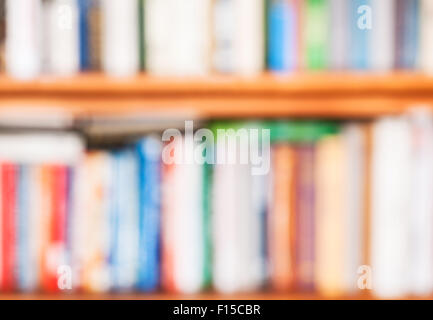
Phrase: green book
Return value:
(316, 34)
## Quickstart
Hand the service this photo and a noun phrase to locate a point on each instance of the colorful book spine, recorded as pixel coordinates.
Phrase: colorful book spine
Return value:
(119, 37)
(23, 37)
(360, 32)
(282, 35)
(281, 229)
(141, 34)
(149, 154)
(94, 18)
(2, 34)
(125, 212)
(316, 33)
(9, 173)
(223, 37)
(305, 227)
(407, 33)
(183, 223)
(83, 27)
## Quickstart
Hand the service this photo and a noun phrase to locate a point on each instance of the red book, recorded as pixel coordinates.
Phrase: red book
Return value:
(55, 193)
(8, 240)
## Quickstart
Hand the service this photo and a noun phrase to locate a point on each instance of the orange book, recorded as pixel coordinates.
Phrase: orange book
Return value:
(281, 217)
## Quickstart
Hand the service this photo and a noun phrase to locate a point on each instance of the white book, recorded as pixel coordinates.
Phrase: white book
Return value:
(62, 37)
(182, 225)
(354, 141)
(249, 37)
(339, 34)
(426, 36)
(390, 212)
(223, 26)
(421, 235)
(120, 49)
(23, 38)
(238, 203)
(36, 148)
(382, 38)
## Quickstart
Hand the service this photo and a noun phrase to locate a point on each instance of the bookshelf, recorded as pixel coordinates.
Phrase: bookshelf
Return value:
(328, 95)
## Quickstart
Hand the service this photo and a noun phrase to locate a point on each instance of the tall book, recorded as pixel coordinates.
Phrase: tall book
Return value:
(2, 34)
(183, 243)
(330, 216)
(421, 233)
(83, 29)
(124, 220)
(222, 32)
(382, 47)
(407, 33)
(426, 45)
(316, 34)
(280, 222)
(390, 201)
(9, 173)
(360, 16)
(339, 31)
(94, 24)
(23, 38)
(62, 37)
(120, 37)
(149, 155)
(282, 33)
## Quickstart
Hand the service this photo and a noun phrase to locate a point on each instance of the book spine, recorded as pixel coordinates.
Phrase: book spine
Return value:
(338, 34)
(426, 49)
(141, 34)
(119, 37)
(329, 216)
(407, 33)
(359, 34)
(2, 34)
(282, 35)
(382, 45)
(149, 152)
(316, 26)
(23, 38)
(224, 24)
(23, 229)
(9, 173)
(83, 27)
(281, 218)
(94, 22)
(305, 228)
(390, 207)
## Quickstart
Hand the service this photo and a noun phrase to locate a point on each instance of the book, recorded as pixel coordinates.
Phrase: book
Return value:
(281, 229)
(94, 18)
(282, 35)
(390, 207)
(382, 47)
(339, 32)
(183, 243)
(360, 22)
(23, 38)
(149, 155)
(316, 34)
(222, 33)
(124, 220)
(9, 173)
(83, 29)
(62, 45)
(120, 51)
(421, 257)
(426, 46)
(407, 33)
(2, 34)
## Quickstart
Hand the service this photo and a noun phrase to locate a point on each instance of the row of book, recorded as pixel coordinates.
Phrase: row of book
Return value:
(195, 37)
(343, 207)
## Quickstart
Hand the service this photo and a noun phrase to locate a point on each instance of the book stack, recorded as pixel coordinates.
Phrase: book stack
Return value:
(198, 37)
(336, 208)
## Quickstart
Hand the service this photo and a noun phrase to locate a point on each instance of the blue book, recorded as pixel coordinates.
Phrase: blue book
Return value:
(282, 31)
(83, 26)
(149, 155)
(124, 217)
(359, 39)
(407, 33)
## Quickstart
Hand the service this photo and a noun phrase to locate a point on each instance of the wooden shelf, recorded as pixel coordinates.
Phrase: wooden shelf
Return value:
(334, 95)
